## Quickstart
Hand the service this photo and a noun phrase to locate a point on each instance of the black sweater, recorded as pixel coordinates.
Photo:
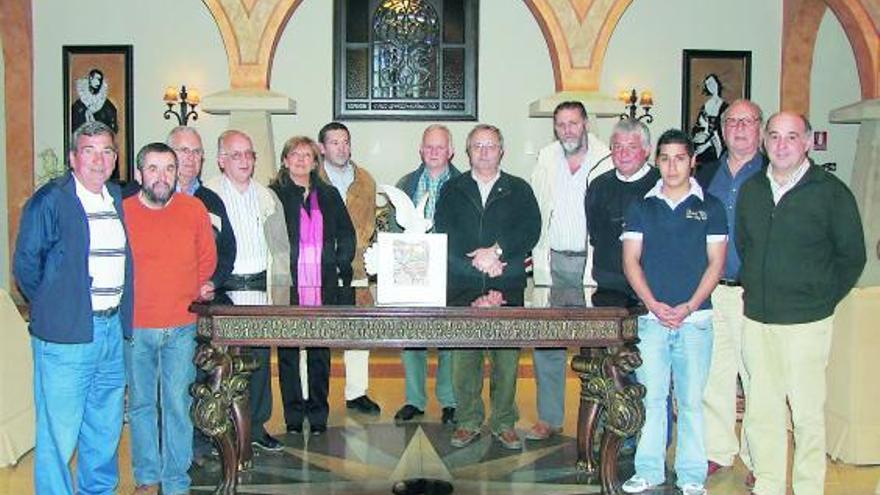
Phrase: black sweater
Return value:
(606, 203)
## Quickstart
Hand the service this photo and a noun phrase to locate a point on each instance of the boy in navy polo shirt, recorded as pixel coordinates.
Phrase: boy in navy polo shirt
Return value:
(674, 244)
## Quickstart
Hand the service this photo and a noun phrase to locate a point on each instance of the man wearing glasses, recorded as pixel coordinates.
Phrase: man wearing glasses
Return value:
(261, 270)
(187, 145)
(723, 178)
(492, 221)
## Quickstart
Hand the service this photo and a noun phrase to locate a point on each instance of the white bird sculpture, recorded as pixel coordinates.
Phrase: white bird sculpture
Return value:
(410, 217)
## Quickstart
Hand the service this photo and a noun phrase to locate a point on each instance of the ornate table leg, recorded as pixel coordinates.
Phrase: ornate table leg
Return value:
(605, 387)
(219, 406)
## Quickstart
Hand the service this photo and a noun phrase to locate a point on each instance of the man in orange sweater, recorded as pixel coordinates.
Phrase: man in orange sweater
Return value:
(174, 256)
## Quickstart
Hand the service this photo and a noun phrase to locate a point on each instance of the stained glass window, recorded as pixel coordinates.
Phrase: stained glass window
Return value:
(406, 59)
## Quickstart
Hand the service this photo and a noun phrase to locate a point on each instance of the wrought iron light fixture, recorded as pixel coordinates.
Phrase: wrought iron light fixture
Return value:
(187, 102)
(630, 99)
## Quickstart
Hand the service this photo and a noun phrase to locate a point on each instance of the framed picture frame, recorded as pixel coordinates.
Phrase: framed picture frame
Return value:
(710, 81)
(412, 269)
(98, 85)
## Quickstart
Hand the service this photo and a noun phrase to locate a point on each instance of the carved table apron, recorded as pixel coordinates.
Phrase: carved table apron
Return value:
(606, 337)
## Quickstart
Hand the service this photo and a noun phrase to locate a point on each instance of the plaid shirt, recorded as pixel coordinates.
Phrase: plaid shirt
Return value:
(431, 187)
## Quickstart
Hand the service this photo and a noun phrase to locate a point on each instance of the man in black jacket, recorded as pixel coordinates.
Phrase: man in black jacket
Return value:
(800, 238)
(724, 178)
(492, 221)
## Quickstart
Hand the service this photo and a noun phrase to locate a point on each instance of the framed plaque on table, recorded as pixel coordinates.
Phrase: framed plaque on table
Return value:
(412, 270)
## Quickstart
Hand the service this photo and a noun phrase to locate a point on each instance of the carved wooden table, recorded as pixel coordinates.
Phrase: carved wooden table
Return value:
(605, 336)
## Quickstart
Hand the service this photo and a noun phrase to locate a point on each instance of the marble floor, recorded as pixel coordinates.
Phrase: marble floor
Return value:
(367, 454)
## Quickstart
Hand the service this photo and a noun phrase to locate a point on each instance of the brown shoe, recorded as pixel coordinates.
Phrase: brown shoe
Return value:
(509, 439)
(542, 431)
(146, 490)
(463, 436)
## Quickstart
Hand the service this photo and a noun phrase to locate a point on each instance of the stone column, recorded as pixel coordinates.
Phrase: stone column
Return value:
(250, 111)
(865, 183)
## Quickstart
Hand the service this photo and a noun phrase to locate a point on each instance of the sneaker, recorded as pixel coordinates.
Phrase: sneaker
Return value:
(636, 484)
(509, 439)
(463, 436)
(542, 431)
(692, 489)
(268, 443)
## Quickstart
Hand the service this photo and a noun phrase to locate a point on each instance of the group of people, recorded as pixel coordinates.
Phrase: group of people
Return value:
(110, 273)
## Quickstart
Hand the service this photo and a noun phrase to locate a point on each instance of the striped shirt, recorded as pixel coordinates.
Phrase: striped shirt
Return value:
(251, 250)
(568, 223)
(106, 247)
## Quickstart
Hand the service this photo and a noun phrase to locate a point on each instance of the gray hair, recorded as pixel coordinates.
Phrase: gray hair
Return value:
(227, 134)
(438, 127)
(181, 129)
(742, 101)
(485, 127)
(629, 126)
(93, 128)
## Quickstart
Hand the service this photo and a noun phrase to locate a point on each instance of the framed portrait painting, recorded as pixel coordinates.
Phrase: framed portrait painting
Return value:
(98, 87)
(710, 81)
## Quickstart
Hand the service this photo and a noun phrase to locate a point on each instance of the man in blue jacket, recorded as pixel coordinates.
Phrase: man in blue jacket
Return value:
(427, 180)
(73, 264)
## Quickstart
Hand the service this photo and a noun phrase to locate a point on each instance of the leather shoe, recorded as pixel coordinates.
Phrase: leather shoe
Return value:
(408, 412)
(363, 404)
(750, 480)
(713, 468)
(542, 431)
(268, 443)
(463, 436)
(448, 417)
(509, 439)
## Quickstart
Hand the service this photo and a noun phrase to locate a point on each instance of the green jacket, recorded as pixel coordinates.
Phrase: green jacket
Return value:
(801, 256)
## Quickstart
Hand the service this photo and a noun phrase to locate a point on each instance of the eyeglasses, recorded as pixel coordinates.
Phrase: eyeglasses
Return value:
(239, 156)
(189, 151)
(742, 121)
(485, 146)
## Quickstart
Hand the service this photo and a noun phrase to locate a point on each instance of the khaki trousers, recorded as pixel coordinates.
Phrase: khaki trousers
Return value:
(719, 398)
(787, 361)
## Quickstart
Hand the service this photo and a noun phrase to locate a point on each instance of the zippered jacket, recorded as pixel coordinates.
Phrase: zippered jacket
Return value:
(801, 256)
(511, 219)
(51, 264)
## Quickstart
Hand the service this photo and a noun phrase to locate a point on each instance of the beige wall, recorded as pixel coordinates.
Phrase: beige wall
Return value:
(515, 70)
(4, 210)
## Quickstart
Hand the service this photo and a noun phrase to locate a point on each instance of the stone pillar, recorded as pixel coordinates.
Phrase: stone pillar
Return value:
(250, 111)
(865, 183)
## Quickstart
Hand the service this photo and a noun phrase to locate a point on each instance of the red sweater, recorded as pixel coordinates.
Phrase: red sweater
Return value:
(174, 255)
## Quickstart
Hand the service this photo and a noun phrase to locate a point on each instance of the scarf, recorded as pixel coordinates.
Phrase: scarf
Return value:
(311, 240)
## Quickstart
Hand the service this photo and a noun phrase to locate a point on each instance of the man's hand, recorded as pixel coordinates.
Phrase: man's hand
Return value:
(665, 314)
(486, 261)
(206, 292)
(678, 314)
(491, 299)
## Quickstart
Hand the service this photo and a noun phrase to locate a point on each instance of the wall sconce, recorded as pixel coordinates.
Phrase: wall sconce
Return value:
(630, 98)
(187, 102)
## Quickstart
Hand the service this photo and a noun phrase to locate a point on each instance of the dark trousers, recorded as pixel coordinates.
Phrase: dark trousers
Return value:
(260, 391)
(316, 408)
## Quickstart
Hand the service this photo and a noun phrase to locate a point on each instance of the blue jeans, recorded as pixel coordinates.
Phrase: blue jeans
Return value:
(78, 397)
(685, 352)
(415, 366)
(161, 358)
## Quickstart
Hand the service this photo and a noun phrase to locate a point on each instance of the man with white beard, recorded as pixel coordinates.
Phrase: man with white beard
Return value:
(559, 260)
